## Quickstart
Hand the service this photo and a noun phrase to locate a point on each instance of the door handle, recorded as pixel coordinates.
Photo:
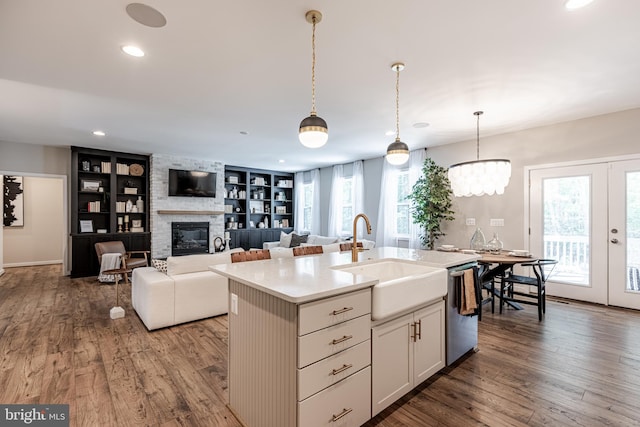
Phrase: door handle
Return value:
(614, 240)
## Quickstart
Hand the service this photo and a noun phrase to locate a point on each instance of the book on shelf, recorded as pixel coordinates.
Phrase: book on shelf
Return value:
(93, 206)
(122, 169)
(105, 167)
(137, 229)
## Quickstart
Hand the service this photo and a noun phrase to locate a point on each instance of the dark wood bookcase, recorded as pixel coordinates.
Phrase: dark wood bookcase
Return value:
(107, 188)
(258, 205)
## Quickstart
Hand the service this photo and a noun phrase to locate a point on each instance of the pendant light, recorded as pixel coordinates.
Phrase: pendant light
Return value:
(397, 151)
(479, 177)
(313, 130)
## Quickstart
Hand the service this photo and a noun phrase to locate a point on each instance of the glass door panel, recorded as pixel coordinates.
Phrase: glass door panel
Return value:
(568, 223)
(624, 234)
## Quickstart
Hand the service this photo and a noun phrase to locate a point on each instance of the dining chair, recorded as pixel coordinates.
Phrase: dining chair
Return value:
(485, 290)
(542, 268)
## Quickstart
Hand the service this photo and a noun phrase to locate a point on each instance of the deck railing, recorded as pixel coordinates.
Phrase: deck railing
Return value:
(572, 253)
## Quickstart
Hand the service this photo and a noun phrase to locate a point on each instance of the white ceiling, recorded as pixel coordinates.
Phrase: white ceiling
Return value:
(221, 67)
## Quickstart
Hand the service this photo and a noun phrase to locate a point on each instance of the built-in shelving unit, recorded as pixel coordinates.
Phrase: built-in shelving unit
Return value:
(109, 201)
(258, 205)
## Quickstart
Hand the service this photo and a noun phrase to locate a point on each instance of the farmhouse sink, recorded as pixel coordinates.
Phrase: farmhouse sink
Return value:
(401, 284)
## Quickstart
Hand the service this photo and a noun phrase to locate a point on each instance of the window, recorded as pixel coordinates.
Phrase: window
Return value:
(307, 203)
(403, 212)
(347, 205)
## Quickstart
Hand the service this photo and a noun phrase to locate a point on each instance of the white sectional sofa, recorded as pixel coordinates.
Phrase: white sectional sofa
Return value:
(329, 244)
(188, 291)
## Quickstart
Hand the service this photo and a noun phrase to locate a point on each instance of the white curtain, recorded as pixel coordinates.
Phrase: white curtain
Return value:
(357, 188)
(314, 180)
(387, 210)
(416, 160)
(316, 223)
(335, 202)
(298, 212)
(386, 233)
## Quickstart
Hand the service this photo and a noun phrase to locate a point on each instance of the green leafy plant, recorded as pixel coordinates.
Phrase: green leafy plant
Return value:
(431, 201)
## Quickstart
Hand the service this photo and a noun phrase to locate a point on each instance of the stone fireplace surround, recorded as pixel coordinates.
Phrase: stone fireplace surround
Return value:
(182, 209)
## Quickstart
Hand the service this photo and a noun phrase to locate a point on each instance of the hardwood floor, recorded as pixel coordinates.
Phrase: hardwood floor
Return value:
(580, 366)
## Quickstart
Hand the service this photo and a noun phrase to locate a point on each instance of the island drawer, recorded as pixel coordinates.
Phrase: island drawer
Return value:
(346, 403)
(329, 371)
(316, 315)
(334, 339)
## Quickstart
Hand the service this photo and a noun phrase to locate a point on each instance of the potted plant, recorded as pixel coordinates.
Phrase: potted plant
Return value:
(431, 201)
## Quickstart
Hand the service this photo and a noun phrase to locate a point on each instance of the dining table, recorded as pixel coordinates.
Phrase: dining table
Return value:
(497, 264)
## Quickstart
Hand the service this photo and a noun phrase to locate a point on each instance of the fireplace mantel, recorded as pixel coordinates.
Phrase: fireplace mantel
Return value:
(179, 212)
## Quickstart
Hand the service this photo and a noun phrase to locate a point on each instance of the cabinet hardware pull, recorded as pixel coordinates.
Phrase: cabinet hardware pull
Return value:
(343, 339)
(344, 310)
(344, 412)
(413, 333)
(419, 333)
(344, 368)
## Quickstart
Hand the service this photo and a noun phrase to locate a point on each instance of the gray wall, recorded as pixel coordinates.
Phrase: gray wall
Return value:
(36, 160)
(603, 136)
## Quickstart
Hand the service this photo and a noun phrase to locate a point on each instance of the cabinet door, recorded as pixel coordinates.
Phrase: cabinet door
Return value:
(429, 349)
(391, 362)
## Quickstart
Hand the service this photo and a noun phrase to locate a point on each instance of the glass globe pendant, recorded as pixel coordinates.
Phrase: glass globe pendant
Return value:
(397, 151)
(313, 132)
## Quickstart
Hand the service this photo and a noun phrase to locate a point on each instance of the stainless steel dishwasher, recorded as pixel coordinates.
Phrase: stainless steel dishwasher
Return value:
(462, 331)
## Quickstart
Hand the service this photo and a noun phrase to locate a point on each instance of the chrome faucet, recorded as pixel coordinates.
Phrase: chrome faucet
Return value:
(354, 247)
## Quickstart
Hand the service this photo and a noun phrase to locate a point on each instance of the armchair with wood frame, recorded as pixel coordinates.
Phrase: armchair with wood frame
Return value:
(128, 259)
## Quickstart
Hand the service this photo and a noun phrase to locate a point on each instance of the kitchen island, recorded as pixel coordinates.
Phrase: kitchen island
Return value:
(300, 346)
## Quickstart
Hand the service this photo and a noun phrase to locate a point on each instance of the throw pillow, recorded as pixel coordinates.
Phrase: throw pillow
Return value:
(285, 239)
(160, 265)
(297, 240)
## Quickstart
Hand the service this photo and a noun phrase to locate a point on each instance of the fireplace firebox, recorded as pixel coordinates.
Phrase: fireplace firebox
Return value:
(189, 238)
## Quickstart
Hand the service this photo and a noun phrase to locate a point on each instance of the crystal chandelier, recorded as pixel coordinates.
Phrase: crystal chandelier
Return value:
(479, 177)
(314, 132)
(397, 151)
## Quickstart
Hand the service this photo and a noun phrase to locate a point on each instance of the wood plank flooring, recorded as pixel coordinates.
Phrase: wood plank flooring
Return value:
(580, 366)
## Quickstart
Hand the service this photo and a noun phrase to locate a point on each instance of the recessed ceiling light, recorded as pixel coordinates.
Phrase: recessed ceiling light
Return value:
(132, 50)
(576, 4)
(281, 161)
(244, 132)
(99, 133)
(390, 133)
(420, 125)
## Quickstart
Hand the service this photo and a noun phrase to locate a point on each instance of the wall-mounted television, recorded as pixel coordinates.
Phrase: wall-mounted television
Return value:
(192, 183)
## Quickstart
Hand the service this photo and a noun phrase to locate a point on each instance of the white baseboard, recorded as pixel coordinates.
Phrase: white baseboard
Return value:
(1, 271)
(32, 263)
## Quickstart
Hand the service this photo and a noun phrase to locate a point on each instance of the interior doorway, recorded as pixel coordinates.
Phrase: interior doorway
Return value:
(43, 236)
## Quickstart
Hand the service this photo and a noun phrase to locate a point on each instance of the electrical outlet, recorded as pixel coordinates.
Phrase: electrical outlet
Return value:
(496, 222)
(234, 303)
(471, 221)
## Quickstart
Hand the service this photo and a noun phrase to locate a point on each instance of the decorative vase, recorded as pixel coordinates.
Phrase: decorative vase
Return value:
(478, 241)
(495, 245)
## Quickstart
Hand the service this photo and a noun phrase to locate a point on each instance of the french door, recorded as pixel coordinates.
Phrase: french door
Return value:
(588, 218)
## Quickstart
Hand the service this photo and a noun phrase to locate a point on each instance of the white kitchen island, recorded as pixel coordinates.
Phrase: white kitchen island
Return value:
(300, 350)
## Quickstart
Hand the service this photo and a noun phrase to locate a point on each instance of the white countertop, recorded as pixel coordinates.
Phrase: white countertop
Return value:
(307, 278)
